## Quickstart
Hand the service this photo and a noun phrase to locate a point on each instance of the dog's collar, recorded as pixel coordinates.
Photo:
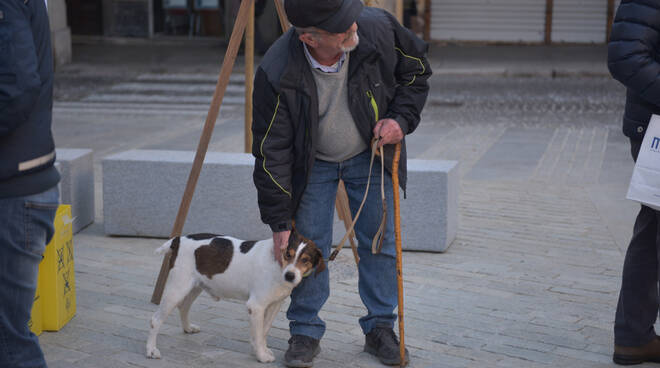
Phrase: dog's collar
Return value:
(308, 272)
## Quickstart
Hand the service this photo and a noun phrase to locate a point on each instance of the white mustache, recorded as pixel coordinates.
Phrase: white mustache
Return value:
(355, 36)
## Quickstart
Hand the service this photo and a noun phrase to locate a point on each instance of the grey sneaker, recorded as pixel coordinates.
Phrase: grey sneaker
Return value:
(301, 352)
(383, 344)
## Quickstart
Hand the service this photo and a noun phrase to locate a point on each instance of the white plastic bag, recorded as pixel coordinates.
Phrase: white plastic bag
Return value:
(645, 182)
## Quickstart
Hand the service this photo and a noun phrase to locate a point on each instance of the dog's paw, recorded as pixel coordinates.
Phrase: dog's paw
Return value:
(191, 329)
(153, 353)
(265, 356)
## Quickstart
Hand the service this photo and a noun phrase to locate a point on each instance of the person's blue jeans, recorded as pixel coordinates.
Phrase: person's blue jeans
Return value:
(26, 226)
(314, 218)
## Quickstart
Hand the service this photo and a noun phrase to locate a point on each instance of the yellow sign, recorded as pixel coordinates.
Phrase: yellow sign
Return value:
(35, 323)
(57, 284)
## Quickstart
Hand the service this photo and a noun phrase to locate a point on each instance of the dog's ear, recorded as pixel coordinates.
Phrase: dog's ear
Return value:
(320, 263)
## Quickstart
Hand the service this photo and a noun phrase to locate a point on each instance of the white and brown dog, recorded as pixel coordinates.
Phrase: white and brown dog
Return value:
(230, 268)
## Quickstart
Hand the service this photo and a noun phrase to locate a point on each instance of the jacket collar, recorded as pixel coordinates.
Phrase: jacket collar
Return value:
(366, 49)
(297, 74)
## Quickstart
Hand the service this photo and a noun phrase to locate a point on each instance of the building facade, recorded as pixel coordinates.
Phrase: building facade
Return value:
(521, 21)
(490, 21)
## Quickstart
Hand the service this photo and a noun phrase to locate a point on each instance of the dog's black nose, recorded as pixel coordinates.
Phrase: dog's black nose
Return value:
(289, 276)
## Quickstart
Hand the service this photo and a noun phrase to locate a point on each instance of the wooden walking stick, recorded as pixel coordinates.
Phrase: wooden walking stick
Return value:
(202, 147)
(399, 255)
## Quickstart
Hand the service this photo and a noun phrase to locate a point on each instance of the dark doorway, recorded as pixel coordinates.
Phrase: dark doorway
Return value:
(159, 15)
(85, 16)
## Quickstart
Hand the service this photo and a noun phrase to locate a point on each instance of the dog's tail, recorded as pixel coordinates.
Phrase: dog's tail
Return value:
(166, 246)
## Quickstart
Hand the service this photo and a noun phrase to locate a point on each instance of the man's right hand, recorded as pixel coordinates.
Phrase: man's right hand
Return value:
(280, 241)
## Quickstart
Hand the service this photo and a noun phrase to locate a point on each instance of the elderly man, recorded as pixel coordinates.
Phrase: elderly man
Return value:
(345, 74)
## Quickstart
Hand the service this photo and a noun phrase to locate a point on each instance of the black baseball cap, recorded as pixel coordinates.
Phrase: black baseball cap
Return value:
(334, 16)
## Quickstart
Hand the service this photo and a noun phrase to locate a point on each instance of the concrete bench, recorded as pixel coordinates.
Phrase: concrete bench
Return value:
(142, 191)
(77, 184)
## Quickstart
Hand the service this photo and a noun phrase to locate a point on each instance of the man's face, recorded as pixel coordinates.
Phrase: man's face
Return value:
(338, 42)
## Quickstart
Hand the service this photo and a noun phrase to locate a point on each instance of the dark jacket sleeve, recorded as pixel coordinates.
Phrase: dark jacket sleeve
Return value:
(272, 147)
(19, 77)
(633, 48)
(412, 72)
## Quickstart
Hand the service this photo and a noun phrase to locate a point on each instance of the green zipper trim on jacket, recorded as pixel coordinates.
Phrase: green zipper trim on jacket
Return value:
(374, 105)
(261, 148)
(414, 58)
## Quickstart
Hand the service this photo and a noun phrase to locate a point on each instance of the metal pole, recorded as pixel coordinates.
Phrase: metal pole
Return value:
(549, 5)
(427, 20)
(610, 19)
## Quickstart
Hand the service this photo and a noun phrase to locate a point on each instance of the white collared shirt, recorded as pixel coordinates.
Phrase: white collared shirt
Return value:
(334, 68)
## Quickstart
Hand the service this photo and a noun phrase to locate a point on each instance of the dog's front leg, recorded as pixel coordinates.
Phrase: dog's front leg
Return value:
(269, 317)
(257, 338)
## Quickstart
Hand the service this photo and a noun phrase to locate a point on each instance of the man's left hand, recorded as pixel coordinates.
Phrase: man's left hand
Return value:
(389, 132)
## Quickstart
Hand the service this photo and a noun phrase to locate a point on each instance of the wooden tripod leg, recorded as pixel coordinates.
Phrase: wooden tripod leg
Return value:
(214, 110)
(249, 75)
(344, 214)
(399, 255)
(284, 22)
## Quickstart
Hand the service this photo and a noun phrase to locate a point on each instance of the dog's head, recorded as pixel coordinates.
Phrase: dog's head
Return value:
(300, 258)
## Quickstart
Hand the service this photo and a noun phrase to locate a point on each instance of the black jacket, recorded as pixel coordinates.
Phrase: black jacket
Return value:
(633, 59)
(386, 79)
(27, 151)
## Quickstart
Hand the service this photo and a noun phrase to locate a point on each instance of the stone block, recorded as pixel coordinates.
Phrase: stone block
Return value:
(60, 33)
(61, 41)
(429, 213)
(77, 184)
(57, 15)
(142, 191)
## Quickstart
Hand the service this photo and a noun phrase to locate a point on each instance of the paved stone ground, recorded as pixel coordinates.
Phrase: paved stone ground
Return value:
(531, 280)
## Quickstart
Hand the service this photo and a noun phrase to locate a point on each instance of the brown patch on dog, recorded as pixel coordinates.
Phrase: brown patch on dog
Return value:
(214, 258)
(174, 246)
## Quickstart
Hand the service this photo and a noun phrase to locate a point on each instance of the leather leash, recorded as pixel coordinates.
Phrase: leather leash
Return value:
(377, 242)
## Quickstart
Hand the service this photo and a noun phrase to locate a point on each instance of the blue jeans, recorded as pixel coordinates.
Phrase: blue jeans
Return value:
(314, 218)
(26, 226)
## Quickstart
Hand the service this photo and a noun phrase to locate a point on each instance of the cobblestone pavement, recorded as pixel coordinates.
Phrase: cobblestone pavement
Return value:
(531, 280)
